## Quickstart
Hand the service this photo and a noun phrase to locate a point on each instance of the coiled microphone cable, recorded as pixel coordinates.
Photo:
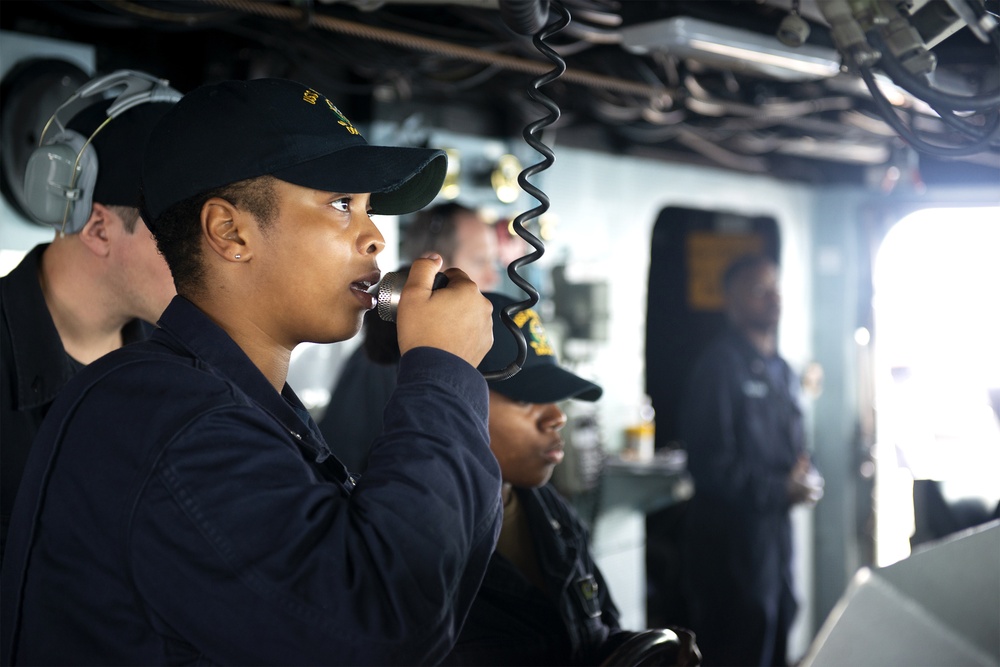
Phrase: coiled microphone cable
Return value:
(525, 22)
(524, 17)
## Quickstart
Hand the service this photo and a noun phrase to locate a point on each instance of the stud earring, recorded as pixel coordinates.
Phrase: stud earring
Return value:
(238, 255)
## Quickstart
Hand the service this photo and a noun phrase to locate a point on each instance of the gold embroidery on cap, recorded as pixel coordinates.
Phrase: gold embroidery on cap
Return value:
(539, 339)
(348, 125)
(311, 96)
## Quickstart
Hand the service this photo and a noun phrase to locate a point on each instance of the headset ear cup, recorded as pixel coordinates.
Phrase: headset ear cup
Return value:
(59, 187)
(60, 175)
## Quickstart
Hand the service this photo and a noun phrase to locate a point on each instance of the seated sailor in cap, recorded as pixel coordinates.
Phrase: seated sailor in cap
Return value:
(543, 600)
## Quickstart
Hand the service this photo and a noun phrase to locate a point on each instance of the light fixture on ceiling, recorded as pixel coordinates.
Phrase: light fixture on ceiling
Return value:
(732, 49)
(503, 178)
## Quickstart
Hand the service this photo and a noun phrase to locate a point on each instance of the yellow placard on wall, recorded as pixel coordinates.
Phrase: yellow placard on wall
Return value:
(708, 255)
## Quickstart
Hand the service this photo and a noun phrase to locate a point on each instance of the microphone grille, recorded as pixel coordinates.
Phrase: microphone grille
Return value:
(388, 295)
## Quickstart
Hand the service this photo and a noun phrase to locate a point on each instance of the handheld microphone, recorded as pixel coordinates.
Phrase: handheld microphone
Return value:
(388, 289)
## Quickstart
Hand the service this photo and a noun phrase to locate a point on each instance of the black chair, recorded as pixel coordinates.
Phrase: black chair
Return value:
(674, 647)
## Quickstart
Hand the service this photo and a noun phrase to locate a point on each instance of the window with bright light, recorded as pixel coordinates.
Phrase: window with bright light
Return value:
(937, 355)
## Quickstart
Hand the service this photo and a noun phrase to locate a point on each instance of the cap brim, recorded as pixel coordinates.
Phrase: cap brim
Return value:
(546, 384)
(401, 179)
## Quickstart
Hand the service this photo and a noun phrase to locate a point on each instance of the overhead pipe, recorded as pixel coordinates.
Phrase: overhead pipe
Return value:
(456, 51)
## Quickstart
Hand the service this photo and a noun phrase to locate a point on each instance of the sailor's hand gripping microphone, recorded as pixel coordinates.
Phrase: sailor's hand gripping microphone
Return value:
(388, 290)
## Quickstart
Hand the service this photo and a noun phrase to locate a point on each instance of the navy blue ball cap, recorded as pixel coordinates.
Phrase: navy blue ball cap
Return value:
(119, 147)
(226, 132)
(541, 378)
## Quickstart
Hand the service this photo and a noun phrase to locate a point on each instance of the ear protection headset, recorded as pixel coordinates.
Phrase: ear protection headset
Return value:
(60, 175)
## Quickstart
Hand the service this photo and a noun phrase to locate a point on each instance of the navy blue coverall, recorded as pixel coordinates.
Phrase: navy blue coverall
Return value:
(514, 622)
(742, 427)
(34, 367)
(173, 512)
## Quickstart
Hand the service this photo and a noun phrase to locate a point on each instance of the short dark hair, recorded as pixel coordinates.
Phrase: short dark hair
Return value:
(742, 265)
(129, 216)
(178, 229)
(433, 229)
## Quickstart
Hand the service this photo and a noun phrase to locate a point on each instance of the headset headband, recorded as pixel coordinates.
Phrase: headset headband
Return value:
(139, 89)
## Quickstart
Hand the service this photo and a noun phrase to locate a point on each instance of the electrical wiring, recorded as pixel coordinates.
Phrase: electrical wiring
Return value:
(431, 54)
(770, 110)
(443, 82)
(945, 105)
(710, 149)
(889, 114)
(985, 133)
(160, 17)
(426, 45)
(903, 78)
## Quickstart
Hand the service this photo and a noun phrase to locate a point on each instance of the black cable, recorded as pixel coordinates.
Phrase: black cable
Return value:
(888, 113)
(903, 78)
(526, 17)
(530, 131)
(986, 133)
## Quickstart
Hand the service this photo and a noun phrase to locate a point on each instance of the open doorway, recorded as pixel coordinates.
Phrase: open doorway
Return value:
(937, 377)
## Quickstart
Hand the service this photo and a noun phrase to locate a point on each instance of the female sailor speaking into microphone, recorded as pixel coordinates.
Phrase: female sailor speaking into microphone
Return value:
(174, 509)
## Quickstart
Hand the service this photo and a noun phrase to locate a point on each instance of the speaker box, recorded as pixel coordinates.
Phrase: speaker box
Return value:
(940, 606)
